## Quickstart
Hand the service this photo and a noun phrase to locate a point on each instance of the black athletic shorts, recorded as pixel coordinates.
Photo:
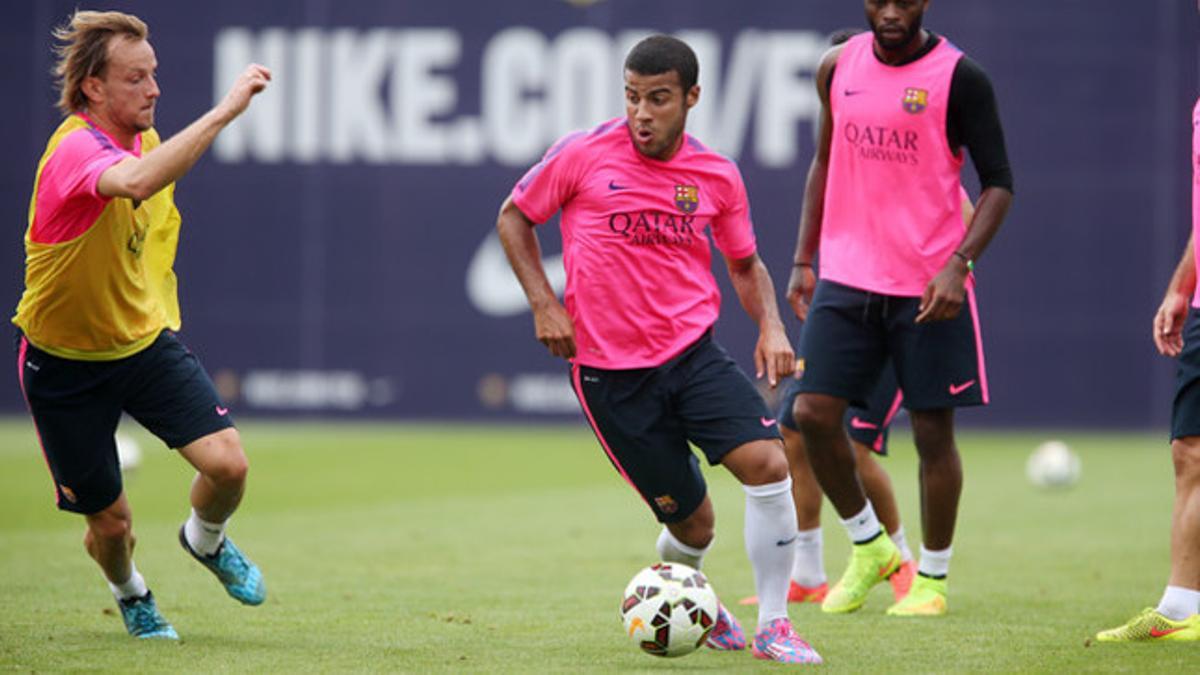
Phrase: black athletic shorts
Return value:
(1185, 412)
(851, 334)
(645, 417)
(76, 406)
(868, 425)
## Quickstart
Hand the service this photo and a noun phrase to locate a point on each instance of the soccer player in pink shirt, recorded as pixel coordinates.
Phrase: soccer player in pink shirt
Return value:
(883, 204)
(1176, 333)
(638, 198)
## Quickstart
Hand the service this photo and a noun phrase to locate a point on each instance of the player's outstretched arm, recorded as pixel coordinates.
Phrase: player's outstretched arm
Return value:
(551, 322)
(1172, 313)
(802, 279)
(141, 177)
(773, 355)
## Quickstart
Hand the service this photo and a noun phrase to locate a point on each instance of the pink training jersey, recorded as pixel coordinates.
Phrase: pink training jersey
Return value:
(639, 283)
(893, 209)
(68, 199)
(1196, 195)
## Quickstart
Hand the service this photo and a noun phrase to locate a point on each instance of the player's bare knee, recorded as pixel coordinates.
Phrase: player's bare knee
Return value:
(1185, 454)
(697, 530)
(758, 462)
(814, 418)
(109, 526)
(698, 535)
(223, 460)
(933, 433)
(772, 466)
(230, 469)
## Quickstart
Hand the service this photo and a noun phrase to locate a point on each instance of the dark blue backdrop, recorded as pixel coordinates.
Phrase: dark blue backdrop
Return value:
(336, 255)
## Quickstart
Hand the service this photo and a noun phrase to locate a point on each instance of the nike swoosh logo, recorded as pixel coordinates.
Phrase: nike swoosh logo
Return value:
(1155, 632)
(894, 562)
(766, 422)
(492, 287)
(859, 424)
(612, 185)
(635, 625)
(956, 389)
(222, 411)
(785, 542)
(854, 92)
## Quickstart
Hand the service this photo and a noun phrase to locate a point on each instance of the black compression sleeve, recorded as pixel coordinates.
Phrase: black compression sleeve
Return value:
(973, 120)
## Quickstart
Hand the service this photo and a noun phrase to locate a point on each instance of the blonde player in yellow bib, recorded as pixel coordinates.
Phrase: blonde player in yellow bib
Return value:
(97, 318)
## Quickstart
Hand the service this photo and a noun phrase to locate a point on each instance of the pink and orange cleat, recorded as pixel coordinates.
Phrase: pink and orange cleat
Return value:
(796, 593)
(727, 634)
(778, 641)
(902, 579)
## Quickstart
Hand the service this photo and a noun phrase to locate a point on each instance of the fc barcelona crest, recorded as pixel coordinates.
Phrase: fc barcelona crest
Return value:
(687, 198)
(915, 100)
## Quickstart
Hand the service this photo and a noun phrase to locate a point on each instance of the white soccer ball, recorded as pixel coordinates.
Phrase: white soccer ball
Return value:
(1053, 465)
(669, 609)
(129, 453)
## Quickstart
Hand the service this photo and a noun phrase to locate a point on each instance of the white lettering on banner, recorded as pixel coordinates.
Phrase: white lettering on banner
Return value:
(513, 66)
(358, 121)
(542, 393)
(390, 96)
(259, 133)
(780, 104)
(314, 390)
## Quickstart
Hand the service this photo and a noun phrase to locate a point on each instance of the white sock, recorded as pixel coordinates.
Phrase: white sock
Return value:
(935, 564)
(809, 568)
(863, 526)
(134, 586)
(671, 549)
(770, 544)
(204, 537)
(902, 543)
(1178, 603)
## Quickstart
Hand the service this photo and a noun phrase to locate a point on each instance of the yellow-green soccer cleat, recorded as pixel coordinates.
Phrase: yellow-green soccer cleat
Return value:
(927, 597)
(870, 564)
(1150, 626)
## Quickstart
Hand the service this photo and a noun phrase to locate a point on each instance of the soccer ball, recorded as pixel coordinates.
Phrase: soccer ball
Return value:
(129, 453)
(669, 609)
(1053, 465)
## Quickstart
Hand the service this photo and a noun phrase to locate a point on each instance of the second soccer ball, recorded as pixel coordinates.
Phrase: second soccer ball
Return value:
(1053, 465)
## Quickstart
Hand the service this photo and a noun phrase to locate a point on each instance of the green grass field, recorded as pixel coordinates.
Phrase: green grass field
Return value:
(503, 549)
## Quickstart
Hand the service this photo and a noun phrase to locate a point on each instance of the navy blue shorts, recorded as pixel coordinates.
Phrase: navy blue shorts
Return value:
(645, 417)
(1185, 411)
(851, 334)
(867, 425)
(76, 406)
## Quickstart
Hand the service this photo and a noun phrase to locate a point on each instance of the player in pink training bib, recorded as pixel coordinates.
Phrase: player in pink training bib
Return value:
(639, 198)
(883, 204)
(1177, 335)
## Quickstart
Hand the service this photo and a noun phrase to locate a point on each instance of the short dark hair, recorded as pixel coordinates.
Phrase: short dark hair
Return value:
(659, 54)
(840, 35)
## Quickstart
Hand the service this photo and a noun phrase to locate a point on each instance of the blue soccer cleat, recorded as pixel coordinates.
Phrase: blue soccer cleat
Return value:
(143, 620)
(240, 577)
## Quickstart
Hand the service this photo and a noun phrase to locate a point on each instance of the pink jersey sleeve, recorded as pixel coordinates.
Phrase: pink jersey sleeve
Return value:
(732, 230)
(68, 201)
(550, 183)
